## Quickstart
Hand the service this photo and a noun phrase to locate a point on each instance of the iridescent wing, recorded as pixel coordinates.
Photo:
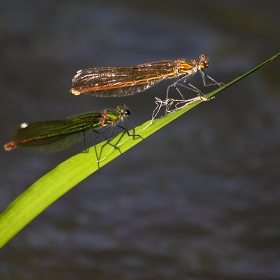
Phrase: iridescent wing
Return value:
(54, 135)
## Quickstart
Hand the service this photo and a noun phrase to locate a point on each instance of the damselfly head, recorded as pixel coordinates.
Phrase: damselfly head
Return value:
(123, 111)
(126, 113)
(203, 61)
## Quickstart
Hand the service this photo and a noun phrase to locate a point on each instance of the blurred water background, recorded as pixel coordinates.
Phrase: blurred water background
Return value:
(200, 199)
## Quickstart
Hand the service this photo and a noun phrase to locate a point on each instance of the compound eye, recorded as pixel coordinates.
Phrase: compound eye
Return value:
(203, 61)
(126, 113)
(203, 64)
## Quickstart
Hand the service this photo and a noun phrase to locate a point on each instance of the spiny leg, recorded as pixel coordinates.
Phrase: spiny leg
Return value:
(215, 83)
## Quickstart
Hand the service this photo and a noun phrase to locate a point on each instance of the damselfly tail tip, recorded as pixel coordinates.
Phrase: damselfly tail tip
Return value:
(10, 146)
(75, 92)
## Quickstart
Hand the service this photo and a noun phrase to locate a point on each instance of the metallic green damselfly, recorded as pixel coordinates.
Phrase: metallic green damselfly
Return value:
(55, 135)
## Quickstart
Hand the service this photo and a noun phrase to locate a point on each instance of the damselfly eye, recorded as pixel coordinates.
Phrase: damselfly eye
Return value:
(203, 61)
(203, 64)
(126, 113)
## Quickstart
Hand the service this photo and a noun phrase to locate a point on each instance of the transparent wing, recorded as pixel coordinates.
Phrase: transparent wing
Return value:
(122, 81)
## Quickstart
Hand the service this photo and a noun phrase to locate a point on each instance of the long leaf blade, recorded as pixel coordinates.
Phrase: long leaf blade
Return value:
(69, 173)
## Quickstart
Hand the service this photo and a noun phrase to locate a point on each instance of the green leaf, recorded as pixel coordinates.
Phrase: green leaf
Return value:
(69, 173)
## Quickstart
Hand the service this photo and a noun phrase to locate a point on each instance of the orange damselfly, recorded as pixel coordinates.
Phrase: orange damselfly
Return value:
(123, 81)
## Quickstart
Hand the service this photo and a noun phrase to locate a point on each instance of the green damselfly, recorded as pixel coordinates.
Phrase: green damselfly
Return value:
(55, 135)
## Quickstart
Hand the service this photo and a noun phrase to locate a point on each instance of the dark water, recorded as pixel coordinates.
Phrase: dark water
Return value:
(200, 199)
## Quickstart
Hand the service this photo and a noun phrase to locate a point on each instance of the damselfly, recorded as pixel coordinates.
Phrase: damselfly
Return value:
(55, 135)
(123, 81)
